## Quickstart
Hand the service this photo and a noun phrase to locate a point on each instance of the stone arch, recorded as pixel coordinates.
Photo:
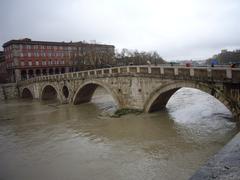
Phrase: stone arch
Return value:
(51, 71)
(49, 92)
(57, 71)
(26, 94)
(38, 72)
(30, 73)
(23, 74)
(159, 97)
(86, 90)
(62, 70)
(44, 72)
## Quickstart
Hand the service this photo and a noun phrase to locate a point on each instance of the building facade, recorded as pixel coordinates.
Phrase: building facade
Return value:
(3, 69)
(25, 58)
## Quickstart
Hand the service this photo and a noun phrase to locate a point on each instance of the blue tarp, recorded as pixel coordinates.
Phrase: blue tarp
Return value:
(214, 62)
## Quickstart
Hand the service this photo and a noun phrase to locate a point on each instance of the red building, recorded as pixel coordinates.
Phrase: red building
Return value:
(25, 58)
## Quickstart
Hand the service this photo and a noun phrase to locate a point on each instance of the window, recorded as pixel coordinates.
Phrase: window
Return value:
(21, 54)
(30, 63)
(44, 63)
(22, 63)
(37, 63)
(29, 54)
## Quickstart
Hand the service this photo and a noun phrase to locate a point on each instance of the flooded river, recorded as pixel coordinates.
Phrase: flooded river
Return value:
(45, 140)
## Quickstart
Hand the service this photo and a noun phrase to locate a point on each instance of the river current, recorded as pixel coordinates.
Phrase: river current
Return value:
(46, 140)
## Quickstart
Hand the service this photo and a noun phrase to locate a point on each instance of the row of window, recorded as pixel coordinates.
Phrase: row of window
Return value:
(49, 54)
(11, 54)
(44, 63)
(66, 48)
(37, 63)
(21, 46)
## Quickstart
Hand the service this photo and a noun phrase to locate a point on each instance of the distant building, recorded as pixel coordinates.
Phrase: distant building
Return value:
(226, 57)
(224, 51)
(25, 58)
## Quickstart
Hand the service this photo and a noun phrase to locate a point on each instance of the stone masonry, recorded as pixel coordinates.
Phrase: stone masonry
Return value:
(146, 88)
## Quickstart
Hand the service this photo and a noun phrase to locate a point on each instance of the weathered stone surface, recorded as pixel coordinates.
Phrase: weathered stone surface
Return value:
(224, 165)
(141, 87)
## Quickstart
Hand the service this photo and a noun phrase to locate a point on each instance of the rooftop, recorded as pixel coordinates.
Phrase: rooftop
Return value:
(28, 41)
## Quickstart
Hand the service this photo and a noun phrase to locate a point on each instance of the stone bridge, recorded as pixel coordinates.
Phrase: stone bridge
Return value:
(147, 88)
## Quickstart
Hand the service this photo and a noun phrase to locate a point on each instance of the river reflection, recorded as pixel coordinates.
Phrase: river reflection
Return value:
(45, 140)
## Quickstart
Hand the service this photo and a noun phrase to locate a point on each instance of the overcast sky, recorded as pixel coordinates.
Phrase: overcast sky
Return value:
(176, 29)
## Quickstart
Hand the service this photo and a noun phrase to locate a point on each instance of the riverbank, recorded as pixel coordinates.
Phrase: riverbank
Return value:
(224, 165)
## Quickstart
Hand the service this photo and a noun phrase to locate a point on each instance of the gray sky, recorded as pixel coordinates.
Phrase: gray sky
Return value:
(176, 29)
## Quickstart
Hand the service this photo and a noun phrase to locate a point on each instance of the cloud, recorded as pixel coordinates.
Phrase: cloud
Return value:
(176, 29)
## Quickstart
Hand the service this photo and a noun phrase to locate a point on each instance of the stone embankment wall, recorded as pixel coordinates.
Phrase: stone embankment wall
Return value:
(8, 91)
(224, 165)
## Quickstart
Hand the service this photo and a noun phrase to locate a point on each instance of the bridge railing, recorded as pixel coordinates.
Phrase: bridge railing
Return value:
(216, 74)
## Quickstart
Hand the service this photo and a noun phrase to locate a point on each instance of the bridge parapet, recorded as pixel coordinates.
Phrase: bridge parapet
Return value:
(146, 88)
(209, 74)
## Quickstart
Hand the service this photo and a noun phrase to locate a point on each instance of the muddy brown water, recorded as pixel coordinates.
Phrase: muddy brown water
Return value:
(45, 140)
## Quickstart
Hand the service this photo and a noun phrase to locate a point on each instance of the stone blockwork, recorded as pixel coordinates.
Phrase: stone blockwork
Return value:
(140, 87)
(8, 91)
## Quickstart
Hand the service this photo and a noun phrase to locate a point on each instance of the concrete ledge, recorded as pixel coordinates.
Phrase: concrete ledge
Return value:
(224, 165)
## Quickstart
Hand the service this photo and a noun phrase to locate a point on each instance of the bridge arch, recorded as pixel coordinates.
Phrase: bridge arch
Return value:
(26, 94)
(85, 92)
(159, 97)
(49, 92)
